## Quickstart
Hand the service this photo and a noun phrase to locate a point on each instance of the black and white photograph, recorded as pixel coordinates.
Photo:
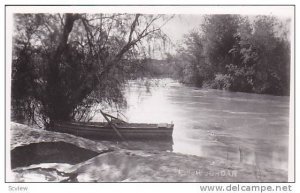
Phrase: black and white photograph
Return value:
(149, 94)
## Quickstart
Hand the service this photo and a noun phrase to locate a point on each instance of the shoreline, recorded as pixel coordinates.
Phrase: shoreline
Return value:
(114, 163)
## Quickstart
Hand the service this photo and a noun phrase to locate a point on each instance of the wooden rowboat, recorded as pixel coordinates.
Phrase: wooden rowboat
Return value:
(116, 129)
(130, 131)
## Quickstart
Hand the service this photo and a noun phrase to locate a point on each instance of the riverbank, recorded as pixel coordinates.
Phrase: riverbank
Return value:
(110, 163)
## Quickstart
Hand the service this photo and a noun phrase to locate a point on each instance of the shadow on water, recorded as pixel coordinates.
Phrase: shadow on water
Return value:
(49, 152)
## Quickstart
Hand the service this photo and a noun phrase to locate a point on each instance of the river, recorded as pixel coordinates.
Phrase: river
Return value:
(240, 127)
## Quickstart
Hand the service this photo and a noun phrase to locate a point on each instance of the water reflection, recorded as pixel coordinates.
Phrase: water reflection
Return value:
(240, 127)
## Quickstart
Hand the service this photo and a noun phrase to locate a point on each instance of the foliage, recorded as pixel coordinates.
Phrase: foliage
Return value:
(67, 63)
(221, 81)
(239, 54)
(218, 38)
(191, 60)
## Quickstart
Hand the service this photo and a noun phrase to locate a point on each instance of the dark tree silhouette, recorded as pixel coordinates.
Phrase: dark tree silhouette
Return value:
(66, 63)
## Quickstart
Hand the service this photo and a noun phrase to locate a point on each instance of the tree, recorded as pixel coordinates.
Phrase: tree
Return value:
(218, 35)
(195, 70)
(261, 57)
(73, 61)
(238, 53)
(273, 56)
(205, 50)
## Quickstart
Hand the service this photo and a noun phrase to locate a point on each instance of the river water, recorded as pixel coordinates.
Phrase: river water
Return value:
(240, 127)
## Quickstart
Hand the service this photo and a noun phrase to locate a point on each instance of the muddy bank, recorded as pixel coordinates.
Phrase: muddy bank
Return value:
(67, 158)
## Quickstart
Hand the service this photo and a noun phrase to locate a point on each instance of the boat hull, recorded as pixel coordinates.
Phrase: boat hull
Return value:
(130, 131)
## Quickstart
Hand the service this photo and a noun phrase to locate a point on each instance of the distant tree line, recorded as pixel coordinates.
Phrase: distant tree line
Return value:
(246, 54)
(151, 68)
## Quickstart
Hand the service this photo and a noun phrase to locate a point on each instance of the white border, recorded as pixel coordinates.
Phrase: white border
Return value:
(144, 9)
(249, 10)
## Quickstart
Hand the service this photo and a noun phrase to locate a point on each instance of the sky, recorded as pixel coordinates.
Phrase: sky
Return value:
(175, 29)
(180, 25)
